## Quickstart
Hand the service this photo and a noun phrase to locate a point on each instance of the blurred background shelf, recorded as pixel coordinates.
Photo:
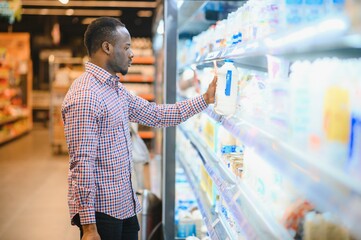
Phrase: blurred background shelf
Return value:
(146, 134)
(11, 119)
(143, 60)
(11, 137)
(137, 78)
(147, 96)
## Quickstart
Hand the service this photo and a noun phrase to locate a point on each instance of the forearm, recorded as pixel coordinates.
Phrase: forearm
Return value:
(166, 115)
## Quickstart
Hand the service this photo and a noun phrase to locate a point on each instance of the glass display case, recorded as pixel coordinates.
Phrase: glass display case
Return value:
(285, 164)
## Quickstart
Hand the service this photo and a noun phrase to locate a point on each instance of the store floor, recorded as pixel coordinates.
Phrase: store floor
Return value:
(33, 190)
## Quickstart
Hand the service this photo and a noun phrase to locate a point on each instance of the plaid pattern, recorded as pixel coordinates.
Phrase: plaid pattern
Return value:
(96, 112)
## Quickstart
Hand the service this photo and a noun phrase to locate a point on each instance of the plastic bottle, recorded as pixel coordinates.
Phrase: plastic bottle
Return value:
(292, 10)
(226, 90)
(354, 148)
(313, 10)
(335, 7)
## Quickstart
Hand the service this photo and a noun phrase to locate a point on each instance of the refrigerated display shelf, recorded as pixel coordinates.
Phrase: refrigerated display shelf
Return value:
(330, 189)
(248, 211)
(328, 37)
(216, 229)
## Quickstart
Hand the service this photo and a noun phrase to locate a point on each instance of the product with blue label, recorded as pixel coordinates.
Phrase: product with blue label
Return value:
(227, 89)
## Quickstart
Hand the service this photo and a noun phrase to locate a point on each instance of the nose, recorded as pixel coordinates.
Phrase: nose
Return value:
(131, 54)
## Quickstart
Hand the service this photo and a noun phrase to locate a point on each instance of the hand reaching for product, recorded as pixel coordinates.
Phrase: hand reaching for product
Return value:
(211, 91)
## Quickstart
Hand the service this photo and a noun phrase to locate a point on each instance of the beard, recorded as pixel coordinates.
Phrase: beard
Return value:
(118, 68)
(123, 71)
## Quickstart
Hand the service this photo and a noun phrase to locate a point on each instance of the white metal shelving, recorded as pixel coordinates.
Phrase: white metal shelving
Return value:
(328, 188)
(249, 214)
(215, 227)
(330, 37)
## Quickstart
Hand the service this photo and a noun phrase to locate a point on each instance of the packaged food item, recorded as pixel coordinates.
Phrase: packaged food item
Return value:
(226, 90)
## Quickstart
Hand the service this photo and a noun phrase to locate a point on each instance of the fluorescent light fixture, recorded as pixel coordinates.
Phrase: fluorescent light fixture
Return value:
(160, 29)
(89, 3)
(64, 1)
(144, 13)
(75, 12)
(69, 12)
(51, 58)
(43, 11)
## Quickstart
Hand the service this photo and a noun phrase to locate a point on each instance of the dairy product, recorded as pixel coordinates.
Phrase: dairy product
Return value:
(226, 91)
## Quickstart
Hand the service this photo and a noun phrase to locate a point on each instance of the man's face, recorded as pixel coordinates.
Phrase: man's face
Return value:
(121, 56)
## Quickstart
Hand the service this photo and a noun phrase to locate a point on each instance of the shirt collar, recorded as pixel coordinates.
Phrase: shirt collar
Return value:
(102, 75)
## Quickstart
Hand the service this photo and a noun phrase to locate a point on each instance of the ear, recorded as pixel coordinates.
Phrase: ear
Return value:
(106, 46)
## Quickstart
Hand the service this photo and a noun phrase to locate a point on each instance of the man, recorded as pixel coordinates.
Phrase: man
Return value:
(96, 112)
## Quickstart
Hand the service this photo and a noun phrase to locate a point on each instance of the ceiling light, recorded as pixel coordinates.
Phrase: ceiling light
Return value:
(69, 12)
(90, 3)
(77, 12)
(64, 1)
(144, 13)
(43, 11)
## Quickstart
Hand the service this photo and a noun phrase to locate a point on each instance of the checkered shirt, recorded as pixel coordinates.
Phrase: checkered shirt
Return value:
(96, 112)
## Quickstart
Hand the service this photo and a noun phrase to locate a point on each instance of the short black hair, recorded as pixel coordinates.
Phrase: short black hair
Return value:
(101, 30)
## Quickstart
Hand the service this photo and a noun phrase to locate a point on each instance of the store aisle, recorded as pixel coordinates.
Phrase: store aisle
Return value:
(33, 191)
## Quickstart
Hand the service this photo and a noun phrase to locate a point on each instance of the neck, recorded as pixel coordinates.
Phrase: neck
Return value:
(102, 64)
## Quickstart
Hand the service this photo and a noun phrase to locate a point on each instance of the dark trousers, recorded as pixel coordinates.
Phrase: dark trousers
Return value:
(110, 228)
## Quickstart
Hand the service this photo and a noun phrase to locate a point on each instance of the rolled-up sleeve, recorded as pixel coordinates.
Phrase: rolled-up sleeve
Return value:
(163, 115)
(80, 114)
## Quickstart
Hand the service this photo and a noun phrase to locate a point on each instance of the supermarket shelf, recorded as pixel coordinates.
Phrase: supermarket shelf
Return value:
(214, 226)
(12, 137)
(137, 78)
(325, 186)
(149, 97)
(143, 60)
(201, 12)
(329, 37)
(251, 217)
(146, 134)
(11, 120)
